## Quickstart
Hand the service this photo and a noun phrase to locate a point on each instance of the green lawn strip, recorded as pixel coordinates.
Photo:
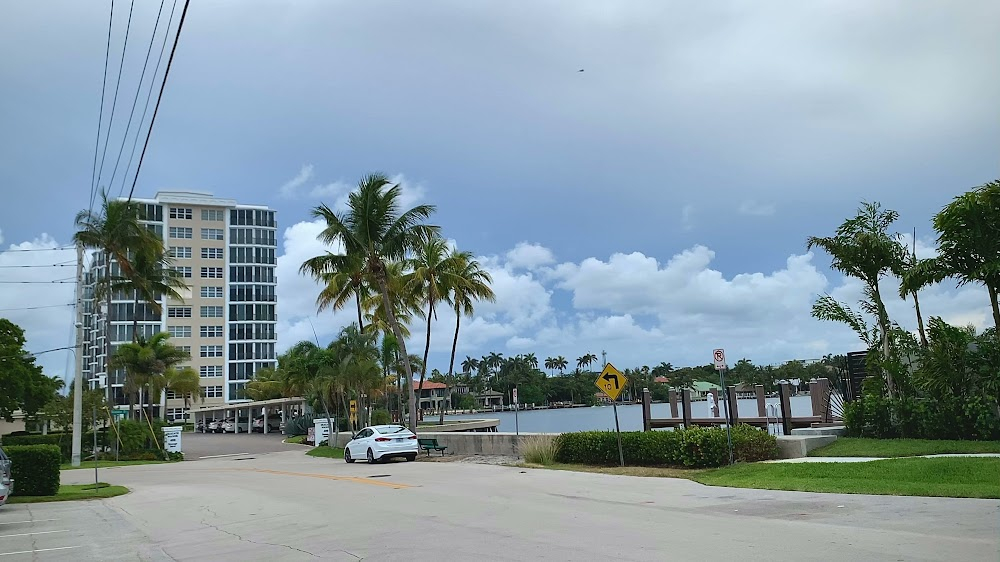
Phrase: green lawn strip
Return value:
(945, 477)
(74, 492)
(326, 452)
(643, 471)
(296, 439)
(863, 447)
(107, 464)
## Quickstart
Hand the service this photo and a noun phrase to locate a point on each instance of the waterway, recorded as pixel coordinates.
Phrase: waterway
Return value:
(563, 420)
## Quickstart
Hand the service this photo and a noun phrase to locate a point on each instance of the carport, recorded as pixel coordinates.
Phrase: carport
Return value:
(284, 408)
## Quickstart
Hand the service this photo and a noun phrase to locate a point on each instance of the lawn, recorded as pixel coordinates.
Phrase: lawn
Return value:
(106, 464)
(326, 452)
(947, 477)
(296, 439)
(74, 492)
(644, 471)
(860, 447)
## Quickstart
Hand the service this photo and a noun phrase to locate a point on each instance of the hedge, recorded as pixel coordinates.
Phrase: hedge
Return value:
(35, 469)
(694, 448)
(62, 440)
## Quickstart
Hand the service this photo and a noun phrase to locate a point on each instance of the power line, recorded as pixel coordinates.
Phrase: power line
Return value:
(66, 280)
(135, 100)
(114, 101)
(159, 97)
(36, 307)
(100, 118)
(36, 249)
(149, 95)
(45, 265)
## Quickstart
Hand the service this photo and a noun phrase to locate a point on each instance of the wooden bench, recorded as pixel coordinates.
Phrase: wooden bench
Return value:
(431, 445)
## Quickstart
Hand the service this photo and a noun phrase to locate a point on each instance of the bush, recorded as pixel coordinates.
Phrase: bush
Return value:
(381, 417)
(539, 449)
(696, 447)
(35, 469)
(921, 418)
(299, 425)
(62, 440)
(136, 437)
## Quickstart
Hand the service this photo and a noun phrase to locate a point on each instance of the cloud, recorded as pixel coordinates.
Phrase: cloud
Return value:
(755, 209)
(333, 190)
(529, 256)
(289, 188)
(687, 217)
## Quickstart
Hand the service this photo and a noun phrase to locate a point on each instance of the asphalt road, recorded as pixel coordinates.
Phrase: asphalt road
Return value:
(199, 446)
(286, 506)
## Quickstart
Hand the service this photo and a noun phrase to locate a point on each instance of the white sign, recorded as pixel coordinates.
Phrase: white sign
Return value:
(172, 439)
(515, 396)
(720, 358)
(321, 430)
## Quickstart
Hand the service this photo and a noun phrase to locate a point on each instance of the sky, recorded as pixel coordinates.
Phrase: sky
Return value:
(639, 177)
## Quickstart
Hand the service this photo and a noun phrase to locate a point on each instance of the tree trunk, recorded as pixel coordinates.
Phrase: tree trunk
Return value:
(996, 308)
(883, 321)
(920, 320)
(361, 322)
(427, 344)
(107, 327)
(384, 288)
(451, 364)
(330, 437)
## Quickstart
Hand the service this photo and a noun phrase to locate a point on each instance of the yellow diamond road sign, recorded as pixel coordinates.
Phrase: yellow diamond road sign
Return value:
(611, 381)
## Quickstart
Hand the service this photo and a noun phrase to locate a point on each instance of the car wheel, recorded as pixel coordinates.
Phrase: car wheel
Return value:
(411, 458)
(371, 457)
(347, 455)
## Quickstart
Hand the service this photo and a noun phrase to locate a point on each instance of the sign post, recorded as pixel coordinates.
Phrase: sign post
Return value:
(612, 382)
(517, 429)
(354, 415)
(719, 356)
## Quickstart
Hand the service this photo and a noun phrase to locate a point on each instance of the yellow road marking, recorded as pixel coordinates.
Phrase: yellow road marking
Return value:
(372, 482)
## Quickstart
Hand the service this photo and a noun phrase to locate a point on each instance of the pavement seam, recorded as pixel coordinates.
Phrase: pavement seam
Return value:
(240, 537)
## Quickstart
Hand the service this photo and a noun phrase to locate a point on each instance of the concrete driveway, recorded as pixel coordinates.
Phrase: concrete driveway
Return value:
(287, 506)
(200, 446)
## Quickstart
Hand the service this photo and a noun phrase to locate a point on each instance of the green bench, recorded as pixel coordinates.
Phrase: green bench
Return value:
(431, 445)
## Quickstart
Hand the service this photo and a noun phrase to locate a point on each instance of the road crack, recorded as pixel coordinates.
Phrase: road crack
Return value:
(261, 543)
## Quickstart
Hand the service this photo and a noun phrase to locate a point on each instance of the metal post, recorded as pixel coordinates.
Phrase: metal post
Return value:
(729, 422)
(614, 407)
(646, 413)
(78, 377)
(517, 429)
(95, 450)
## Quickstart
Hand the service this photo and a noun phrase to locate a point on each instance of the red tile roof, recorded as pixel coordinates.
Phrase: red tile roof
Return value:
(428, 385)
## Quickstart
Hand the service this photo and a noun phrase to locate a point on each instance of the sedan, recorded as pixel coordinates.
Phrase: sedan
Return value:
(380, 443)
(6, 483)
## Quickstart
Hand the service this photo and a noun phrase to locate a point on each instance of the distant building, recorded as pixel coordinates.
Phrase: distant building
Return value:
(661, 380)
(226, 253)
(490, 398)
(700, 389)
(432, 395)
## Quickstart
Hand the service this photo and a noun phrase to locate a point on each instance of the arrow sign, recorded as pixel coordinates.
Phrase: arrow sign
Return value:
(611, 381)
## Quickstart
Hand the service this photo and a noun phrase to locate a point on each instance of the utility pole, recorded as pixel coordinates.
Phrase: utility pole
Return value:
(78, 353)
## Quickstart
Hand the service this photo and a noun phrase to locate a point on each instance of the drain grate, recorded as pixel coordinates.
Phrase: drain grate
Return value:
(380, 476)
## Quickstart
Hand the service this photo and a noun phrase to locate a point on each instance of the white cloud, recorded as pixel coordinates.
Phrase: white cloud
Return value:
(687, 217)
(290, 188)
(756, 209)
(529, 256)
(334, 190)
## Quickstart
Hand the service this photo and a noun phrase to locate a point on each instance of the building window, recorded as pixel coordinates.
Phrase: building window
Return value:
(177, 414)
(212, 253)
(179, 312)
(211, 292)
(180, 252)
(213, 391)
(211, 273)
(211, 312)
(181, 213)
(210, 371)
(181, 232)
(212, 233)
(179, 331)
(211, 331)
(211, 351)
(213, 215)
(184, 348)
(182, 270)
(149, 212)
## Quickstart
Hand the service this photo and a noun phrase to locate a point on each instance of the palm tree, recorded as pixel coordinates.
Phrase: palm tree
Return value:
(183, 382)
(470, 364)
(863, 248)
(268, 384)
(561, 363)
(471, 284)
(311, 369)
(147, 360)
(550, 364)
(343, 278)
(910, 262)
(531, 360)
(433, 276)
(116, 233)
(152, 279)
(374, 229)
(586, 361)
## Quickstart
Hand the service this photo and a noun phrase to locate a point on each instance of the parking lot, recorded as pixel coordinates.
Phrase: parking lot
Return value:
(201, 446)
(90, 530)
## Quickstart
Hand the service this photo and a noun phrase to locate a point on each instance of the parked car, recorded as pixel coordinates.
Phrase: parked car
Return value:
(232, 425)
(215, 426)
(380, 443)
(6, 482)
(273, 424)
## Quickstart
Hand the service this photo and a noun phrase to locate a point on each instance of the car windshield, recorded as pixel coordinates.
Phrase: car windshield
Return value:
(388, 429)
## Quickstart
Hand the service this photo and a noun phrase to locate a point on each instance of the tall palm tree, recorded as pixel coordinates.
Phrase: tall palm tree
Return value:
(268, 384)
(152, 279)
(910, 262)
(343, 278)
(471, 284)
(312, 369)
(375, 230)
(147, 361)
(114, 231)
(531, 360)
(433, 276)
(561, 363)
(550, 364)
(470, 364)
(586, 361)
(184, 382)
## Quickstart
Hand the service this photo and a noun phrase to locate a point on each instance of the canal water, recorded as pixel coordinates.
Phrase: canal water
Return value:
(563, 420)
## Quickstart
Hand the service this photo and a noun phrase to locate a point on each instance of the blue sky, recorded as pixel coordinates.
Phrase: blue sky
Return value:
(654, 205)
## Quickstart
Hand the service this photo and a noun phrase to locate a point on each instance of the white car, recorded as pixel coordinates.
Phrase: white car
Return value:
(380, 443)
(6, 483)
(233, 426)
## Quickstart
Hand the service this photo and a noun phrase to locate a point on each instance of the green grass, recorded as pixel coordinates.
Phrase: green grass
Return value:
(296, 439)
(106, 464)
(75, 492)
(326, 452)
(643, 471)
(860, 447)
(946, 477)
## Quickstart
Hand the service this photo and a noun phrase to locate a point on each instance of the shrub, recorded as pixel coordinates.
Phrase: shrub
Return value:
(751, 444)
(381, 417)
(946, 417)
(35, 469)
(299, 425)
(539, 449)
(704, 447)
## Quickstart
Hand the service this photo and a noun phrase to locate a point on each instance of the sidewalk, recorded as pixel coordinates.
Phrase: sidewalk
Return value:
(869, 459)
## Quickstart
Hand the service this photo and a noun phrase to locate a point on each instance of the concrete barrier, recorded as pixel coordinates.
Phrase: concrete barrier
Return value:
(798, 446)
(491, 443)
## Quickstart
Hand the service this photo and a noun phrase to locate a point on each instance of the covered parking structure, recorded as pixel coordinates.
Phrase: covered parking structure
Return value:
(283, 408)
